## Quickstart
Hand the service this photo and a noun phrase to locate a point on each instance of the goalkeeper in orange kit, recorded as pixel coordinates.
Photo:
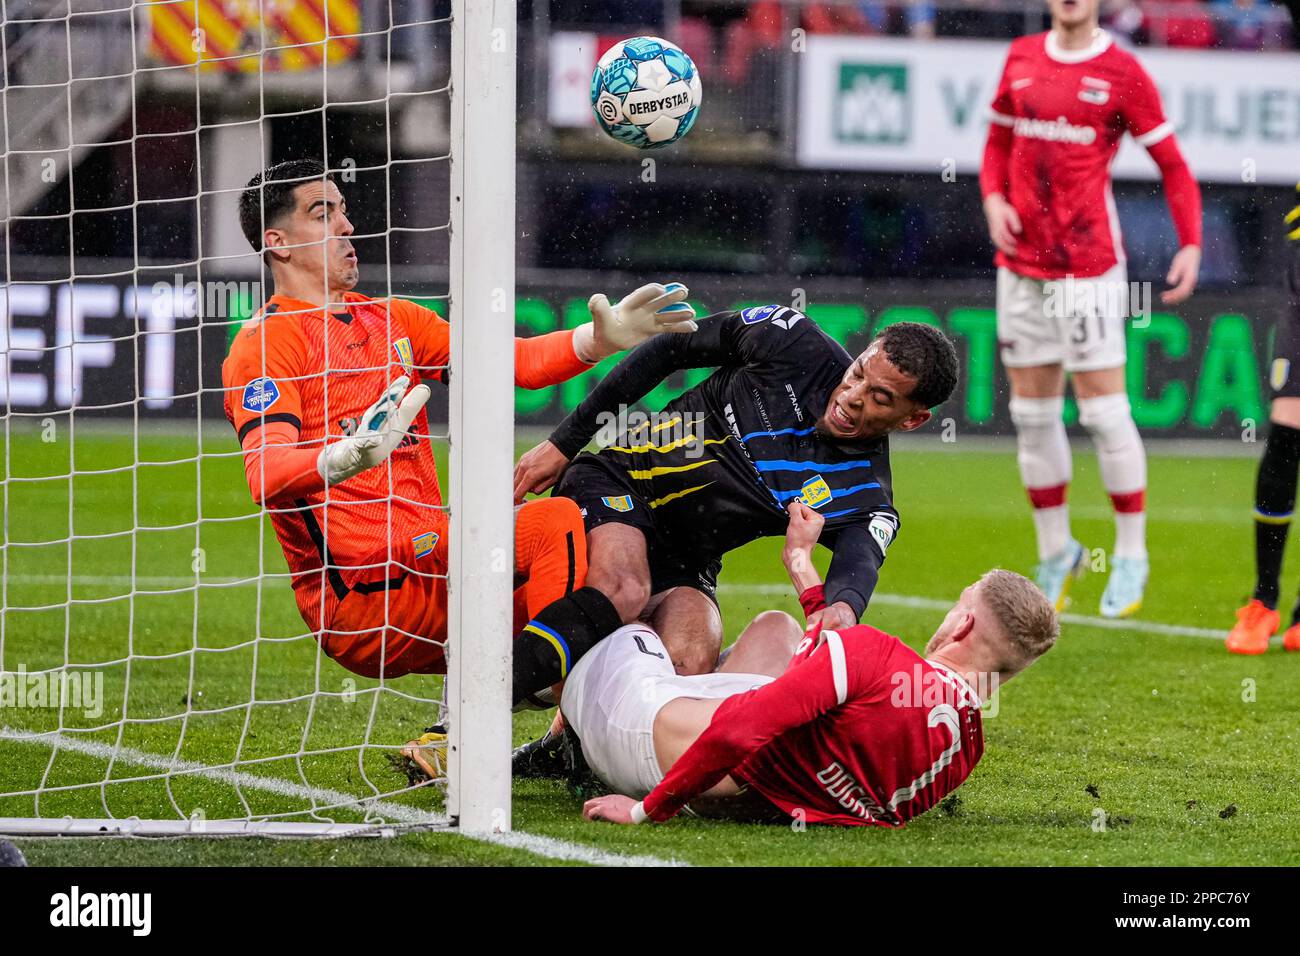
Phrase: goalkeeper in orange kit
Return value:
(326, 390)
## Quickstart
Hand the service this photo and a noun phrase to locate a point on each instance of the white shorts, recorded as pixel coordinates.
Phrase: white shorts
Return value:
(1074, 322)
(615, 691)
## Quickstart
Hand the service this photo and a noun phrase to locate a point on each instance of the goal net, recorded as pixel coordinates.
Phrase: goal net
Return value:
(156, 676)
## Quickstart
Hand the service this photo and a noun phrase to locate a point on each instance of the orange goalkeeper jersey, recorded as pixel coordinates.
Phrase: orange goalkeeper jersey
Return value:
(296, 378)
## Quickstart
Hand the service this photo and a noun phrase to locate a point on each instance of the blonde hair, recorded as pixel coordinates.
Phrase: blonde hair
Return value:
(1024, 614)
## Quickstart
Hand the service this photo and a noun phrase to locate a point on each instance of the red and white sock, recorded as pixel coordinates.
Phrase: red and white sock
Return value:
(1043, 451)
(1123, 462)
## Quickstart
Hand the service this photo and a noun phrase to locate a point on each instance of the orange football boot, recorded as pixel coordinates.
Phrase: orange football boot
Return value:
(1291, 639)
(1255, 625)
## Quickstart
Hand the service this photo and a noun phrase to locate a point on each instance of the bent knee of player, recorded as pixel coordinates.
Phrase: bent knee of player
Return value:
(1109, 420)
(778, 629)
(626, 590)
(696, 657)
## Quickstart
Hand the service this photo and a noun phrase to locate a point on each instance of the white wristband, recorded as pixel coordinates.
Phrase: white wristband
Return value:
(638, 812)
(584, 343)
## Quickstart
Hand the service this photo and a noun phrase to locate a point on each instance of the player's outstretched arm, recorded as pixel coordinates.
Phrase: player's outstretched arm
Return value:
(558, 356)
(651, 309)
(801, 536)
(382, 426)
(723, 339)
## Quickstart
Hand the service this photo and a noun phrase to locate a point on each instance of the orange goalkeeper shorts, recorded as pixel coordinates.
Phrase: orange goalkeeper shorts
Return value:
(393, 620)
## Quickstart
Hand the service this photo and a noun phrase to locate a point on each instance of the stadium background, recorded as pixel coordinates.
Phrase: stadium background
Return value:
(864, 223)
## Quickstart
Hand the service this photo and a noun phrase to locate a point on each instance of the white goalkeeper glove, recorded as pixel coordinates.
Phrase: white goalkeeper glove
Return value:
(651, 309)
(379, 430)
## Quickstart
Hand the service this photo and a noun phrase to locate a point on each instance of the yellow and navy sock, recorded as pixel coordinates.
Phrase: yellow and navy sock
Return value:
(1275, 493)
(551, 643)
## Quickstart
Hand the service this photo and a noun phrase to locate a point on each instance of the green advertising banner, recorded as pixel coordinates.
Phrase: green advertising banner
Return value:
(1196, 372)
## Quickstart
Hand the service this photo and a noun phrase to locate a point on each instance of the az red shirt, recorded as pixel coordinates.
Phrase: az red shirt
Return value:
(1067, 111)
(859, 730)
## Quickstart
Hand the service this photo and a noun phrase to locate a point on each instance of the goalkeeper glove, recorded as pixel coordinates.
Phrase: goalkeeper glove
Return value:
(651, 309)
(381, 427)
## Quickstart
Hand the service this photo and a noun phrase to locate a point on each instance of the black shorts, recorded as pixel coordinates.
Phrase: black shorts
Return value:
(1284, 372)
(607, 495)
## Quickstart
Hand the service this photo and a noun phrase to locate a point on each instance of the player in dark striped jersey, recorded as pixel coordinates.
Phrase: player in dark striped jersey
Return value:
(1275, 485)
(788, 414)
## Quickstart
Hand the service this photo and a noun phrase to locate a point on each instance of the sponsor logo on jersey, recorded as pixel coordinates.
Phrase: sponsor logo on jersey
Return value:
(816, 492)
(882, 529)
(260, 394)
(623, 503)
(1059, 130)
(794, 402)
(1095, 91)
(404, 357)
(787, 319)
(424, 543)
(730, 414)
(761, 408)
(779, 314)
(1280, 372)
(757, 314)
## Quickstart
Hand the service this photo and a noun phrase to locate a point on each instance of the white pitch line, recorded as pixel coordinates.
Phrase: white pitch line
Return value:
(935, 604)
(895, 600)
(536, 844)
(125, 580)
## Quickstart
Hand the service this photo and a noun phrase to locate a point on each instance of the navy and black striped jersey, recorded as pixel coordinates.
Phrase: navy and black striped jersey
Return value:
(719, 465)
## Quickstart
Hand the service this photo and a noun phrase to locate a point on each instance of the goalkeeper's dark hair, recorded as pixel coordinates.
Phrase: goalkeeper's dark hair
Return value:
(269, 195)
(926, 354)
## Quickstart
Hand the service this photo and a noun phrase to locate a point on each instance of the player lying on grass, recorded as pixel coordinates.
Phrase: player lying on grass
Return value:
(326, 389)
(856, 728)
(788, 414)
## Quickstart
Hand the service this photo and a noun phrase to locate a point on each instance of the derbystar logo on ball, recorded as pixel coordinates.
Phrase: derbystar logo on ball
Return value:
(645, 92)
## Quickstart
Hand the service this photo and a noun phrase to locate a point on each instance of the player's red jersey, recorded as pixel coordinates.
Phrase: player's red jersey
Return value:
(1067, 111)
(859, 730)
(293, 370)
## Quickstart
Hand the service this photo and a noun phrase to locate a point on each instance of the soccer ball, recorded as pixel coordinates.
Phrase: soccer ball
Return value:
(645, 92)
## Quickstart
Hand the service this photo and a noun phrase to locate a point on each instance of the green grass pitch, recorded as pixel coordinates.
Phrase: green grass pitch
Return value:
(1189, 756)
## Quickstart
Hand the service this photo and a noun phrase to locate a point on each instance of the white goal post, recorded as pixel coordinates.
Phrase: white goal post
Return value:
(286, 743)
(482, 411)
